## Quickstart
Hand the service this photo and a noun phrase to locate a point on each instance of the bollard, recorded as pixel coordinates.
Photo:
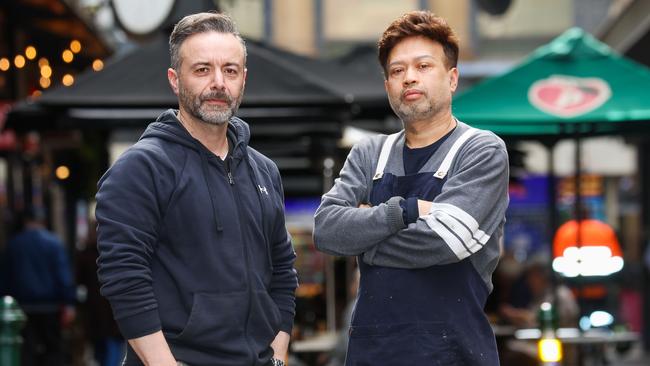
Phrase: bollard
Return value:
(12, 320)
(549, 348)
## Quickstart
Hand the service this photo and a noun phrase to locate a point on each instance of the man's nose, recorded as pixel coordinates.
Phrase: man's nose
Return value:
(217, 81)
(410, 77)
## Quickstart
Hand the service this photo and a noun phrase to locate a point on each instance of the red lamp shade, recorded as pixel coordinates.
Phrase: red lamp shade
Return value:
(597, 254)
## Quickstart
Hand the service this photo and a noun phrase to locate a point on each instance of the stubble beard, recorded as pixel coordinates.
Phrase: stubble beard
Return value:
(212, 115)
(412, 112)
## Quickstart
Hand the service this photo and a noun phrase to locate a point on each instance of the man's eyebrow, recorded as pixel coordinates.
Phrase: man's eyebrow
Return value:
(233, 64)
(200, 63)
(227, 64)
(418, 58)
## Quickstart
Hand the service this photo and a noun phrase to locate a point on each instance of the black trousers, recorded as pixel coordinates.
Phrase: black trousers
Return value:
(42, 341)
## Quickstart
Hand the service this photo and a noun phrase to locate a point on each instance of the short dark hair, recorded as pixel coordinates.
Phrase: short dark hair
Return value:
(419, 23)
(200, 23)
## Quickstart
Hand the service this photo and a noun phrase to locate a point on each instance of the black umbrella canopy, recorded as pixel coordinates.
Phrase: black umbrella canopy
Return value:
(295, 117)
(139, 79)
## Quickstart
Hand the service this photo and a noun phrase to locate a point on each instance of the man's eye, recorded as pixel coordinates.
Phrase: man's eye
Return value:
(202, 70)
(396, 71)
(423, 66)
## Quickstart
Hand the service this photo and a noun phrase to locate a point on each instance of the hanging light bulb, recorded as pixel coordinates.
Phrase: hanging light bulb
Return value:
(46, 71)
(62, 172)
(30, 52)
(45, 82)
(67, 56)
(19, 61)
(75, 46)
(67, 80)
(98, 65)
(4, 64)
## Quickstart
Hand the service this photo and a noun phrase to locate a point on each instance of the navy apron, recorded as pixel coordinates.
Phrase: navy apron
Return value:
(419, 317)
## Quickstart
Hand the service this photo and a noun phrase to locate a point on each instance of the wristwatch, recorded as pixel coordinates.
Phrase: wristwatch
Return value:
(276, 362)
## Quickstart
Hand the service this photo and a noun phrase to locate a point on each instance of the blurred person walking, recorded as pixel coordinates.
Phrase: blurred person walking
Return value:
(194, 255)
(423, 209)
(36, 272)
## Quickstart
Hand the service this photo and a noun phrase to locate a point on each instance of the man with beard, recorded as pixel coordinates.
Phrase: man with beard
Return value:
(423, 209)
(194, 256)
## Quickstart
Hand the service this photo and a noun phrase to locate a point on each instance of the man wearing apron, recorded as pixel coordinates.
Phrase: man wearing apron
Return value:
(423, 209)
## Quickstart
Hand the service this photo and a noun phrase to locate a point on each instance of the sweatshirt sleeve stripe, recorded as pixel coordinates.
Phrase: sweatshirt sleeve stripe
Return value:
(457, 228)
(452, 240)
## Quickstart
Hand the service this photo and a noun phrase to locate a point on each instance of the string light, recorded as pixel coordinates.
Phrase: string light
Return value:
(67, 56)
(75, 46)
(62, 172)
(36, 93)
(67, 80)
(30, 52)
(46, 71)
(45, 82)
(19, 61)
(98, 65)
(4, 64)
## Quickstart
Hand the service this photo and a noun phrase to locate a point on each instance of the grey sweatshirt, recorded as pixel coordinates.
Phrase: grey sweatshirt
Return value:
(466, 218)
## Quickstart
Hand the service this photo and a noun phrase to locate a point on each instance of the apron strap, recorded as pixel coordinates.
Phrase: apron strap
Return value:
(383, 156)
(449, 158)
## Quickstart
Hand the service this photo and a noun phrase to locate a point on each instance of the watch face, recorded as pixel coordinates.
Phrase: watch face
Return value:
(142, 17)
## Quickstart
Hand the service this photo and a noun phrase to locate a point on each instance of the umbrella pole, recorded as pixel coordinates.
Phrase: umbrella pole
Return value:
(552, 217)
(578, 215)
(578, 212)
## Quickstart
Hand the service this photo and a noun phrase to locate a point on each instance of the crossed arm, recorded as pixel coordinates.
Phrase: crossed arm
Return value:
(455, 225)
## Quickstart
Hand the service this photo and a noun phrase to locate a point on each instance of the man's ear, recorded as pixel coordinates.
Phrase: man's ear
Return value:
(245, 74)
(172, 76)
(453, 79)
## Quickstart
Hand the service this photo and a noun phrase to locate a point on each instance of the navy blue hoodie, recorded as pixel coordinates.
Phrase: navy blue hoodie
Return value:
(196, 246)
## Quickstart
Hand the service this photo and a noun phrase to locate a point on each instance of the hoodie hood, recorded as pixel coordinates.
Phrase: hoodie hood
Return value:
(168, 127)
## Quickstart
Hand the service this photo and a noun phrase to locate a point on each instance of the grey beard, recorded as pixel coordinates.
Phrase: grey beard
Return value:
(413, 113)
(212, 117)
(218, 117)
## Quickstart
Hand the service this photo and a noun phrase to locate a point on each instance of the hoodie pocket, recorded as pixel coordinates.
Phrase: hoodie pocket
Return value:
(265, 319)
(216, 321)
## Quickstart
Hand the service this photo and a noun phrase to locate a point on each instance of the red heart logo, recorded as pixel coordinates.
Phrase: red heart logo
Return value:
(568, 96)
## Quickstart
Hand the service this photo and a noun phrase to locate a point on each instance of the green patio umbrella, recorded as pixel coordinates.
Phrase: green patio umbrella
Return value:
(574, 84)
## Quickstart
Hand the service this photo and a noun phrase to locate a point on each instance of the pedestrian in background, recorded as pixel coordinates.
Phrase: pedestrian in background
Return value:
(36, 272)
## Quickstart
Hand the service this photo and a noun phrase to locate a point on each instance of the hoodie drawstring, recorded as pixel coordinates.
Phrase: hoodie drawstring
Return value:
(215, 211)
